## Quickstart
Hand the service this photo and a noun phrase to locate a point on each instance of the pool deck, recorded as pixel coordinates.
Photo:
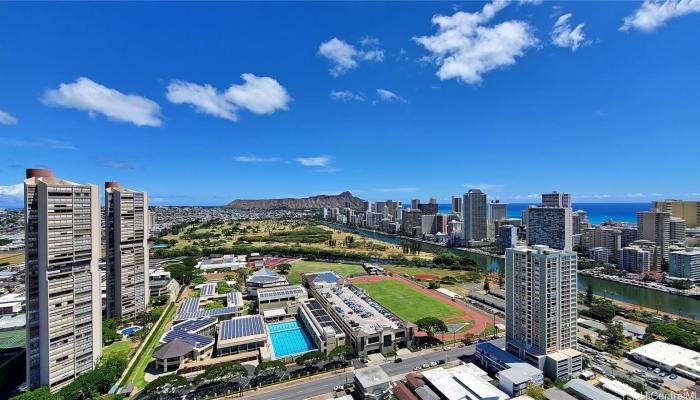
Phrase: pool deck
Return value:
(289, 338)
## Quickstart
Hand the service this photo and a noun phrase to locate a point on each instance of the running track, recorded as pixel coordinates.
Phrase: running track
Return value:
(480, 320)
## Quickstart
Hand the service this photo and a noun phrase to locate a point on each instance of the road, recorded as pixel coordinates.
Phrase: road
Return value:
(325, 385)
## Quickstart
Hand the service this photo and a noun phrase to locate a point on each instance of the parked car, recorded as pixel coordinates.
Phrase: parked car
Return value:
(426, 365)
(398, 360)
(446, 348)
(416, 368)
(657, 370)
(440, 362)
(672, 376)
(433, 363)
(338, 388)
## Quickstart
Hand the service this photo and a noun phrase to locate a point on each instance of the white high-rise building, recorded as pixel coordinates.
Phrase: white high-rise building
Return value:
(474, 215)
(556, 199)
(550, 226)
(64, 305)
(541, 308)
(685, 264)
(126, 232)
(677, 233)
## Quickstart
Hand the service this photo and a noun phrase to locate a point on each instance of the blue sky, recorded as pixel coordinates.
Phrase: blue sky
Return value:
(200, 104)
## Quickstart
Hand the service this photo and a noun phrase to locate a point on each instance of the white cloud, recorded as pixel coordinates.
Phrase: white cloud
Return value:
(345, 95)
(526, 197)
(118, 165)
(398, 190)
(14, 191)
(653, 14)
(87, 95)
(466, 49)
(533, 2)
(564, 36)
(204, 98)
(6, 118)
(255, 159)
(389, 96)
(369, 41)
(320, 161)
(259, 94)
(346, 56)
(635, 195)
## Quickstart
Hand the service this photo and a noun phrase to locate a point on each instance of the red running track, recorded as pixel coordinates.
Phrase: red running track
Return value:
(480, 320)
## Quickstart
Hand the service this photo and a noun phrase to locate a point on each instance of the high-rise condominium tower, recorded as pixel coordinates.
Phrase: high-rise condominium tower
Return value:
(541, 307)
(556, 199)
(456, 204)
(655, 226)
(687, 210)
(550, 226)
(64, 310)
(126, 231)
(474, 215)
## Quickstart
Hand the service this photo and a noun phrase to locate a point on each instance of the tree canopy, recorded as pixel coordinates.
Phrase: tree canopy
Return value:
(164, 386)
(431, 325)
(311, 358)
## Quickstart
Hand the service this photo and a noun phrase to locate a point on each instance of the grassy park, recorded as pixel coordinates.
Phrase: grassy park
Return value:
(302, 267)
(408, 303)
(122, 347)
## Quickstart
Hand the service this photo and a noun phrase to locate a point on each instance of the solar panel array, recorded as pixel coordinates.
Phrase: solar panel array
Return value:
(181, 316)
(232, 299)
(328, 277)
(208, 289)
(242, 327)
(190, 305)
(282, 292)
(321, 315)
(187, 331)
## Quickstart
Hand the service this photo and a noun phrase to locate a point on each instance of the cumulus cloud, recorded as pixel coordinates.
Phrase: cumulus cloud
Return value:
(12, 191)
(6, 118)
(345, 56)
(653, 14)
(483, 186)
(465, 48)
(259, 95)
(389, 96)
(564, 36)
(255, 159)
(203, 98)
(345, 95)
(319, 161)
(88, 95)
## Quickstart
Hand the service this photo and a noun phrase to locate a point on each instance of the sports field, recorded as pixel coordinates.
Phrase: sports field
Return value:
(408, 303)
(301, 267)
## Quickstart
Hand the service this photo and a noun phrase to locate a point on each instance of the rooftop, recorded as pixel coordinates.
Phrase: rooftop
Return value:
(670, 355)
(280, 292)
(174, 348)
(359, 310)
(372, 376)
(521, 372)
(587, 390)
(240, 327)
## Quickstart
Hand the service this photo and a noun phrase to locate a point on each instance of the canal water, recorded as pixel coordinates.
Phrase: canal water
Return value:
(680, 305)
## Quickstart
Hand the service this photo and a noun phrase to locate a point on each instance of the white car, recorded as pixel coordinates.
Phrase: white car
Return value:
(416, 368)
(338, 388)
(433, 363)
(446, 348)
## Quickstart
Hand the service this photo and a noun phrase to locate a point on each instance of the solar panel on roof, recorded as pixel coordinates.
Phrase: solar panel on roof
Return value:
(190, 305)
(208, 289)
(242, 327)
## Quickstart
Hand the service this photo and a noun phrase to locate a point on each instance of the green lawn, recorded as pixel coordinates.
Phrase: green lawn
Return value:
(418, 270)
(136, 375)
(122, 347)
(408, 303)
(300, 267)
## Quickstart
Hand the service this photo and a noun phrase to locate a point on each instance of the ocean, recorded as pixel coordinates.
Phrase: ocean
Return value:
(597, 212)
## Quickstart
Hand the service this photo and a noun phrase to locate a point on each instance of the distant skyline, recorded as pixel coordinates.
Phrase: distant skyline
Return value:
(201, 104)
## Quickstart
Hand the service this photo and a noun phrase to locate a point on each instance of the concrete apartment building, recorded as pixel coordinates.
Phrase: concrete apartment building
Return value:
(655, 226)
(64, 306)
(126, 232)
(556, 199)
(497, 211)
(634, 259)
(685, 264)
(474, 215)
(541, 308)
(600, 236)
(677, 234)
(550, 226)
(456, 204)
(411, 221)
(686, 210)
(507, 238)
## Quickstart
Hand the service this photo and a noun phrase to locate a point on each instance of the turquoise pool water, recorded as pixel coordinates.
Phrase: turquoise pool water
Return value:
(289, 338)
(130, 330)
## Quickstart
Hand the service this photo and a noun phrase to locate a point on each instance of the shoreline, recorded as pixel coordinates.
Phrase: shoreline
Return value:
(665, 290)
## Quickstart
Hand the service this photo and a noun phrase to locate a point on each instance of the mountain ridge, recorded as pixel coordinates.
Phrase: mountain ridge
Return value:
(320, 201)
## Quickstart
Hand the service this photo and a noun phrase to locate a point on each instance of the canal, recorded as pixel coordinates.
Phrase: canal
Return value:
(684, 306)
(681, 305)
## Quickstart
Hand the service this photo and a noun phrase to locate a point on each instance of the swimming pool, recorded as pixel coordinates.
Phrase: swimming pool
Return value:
(130, 330)
(289, 338)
